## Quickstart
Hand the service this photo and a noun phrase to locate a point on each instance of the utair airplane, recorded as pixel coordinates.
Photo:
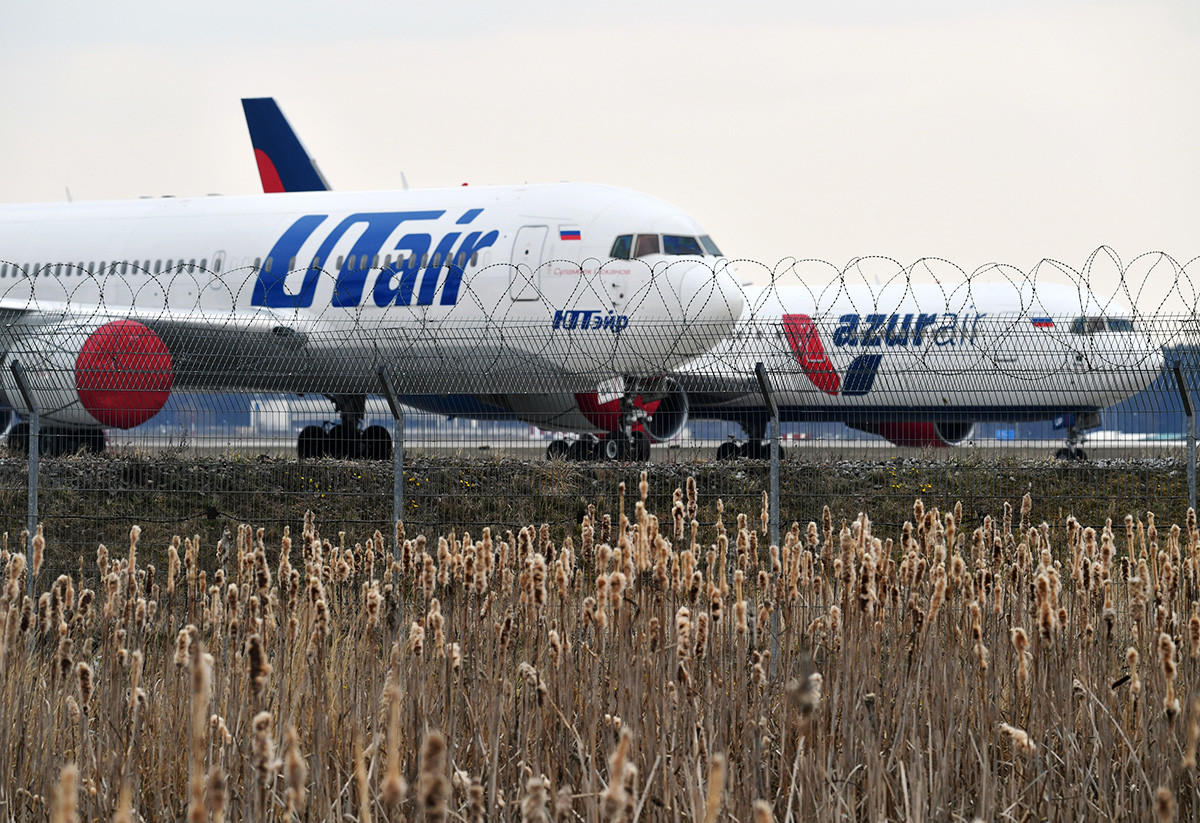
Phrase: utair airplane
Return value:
(110, 307)
(918, 364)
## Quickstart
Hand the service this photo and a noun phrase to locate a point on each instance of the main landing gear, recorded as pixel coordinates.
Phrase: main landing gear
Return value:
(56, 440)
(1074, 448)
(612, 446)
(756, 447)
(346, 440)
(752, 449)
(627, 443)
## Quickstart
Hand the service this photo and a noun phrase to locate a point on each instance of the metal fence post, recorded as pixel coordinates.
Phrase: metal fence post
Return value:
(34, 449)
(1185, 396)
(397, 455)
(764, 385)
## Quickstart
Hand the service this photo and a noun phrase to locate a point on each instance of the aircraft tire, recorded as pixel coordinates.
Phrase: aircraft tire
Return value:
(558, 450)
(728, 451)
(376, 443)
(755, 451)
(94, 441)
(614, 446)
(578, 450)
(311, 442)
(641, 446)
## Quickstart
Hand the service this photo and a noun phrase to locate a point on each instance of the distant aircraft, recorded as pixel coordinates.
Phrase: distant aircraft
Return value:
(111, 306)
(919, 365)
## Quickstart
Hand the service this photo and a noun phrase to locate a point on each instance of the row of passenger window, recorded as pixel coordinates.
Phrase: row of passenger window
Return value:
(191, 266)
(359, 262)
(105, 268)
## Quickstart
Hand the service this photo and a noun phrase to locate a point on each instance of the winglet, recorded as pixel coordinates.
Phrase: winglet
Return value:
(283, 164)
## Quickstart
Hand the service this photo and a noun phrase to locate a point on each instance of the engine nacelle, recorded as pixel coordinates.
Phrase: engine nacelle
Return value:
(670, 414)
(919, 433)
(116, 374)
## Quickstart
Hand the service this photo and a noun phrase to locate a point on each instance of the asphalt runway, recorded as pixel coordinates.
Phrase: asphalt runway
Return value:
(686, 452)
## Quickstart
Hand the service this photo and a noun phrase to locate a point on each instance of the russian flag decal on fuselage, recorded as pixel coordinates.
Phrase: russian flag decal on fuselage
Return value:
(569, 234)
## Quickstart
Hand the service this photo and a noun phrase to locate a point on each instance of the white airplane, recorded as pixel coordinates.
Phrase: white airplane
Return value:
(919, 365)
(111, 306)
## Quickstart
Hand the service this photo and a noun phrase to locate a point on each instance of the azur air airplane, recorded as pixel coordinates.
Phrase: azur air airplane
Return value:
(110, 307)
(918, 364)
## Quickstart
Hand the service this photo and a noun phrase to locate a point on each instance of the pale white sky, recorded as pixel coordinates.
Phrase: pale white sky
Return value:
(973, 131)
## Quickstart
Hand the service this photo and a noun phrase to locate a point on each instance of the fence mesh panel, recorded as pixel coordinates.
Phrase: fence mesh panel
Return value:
(893, 382)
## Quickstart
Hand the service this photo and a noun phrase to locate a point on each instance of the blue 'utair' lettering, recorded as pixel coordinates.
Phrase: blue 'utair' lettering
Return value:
(471, 244)
(269, 288)
(396, 283)
(348, 290)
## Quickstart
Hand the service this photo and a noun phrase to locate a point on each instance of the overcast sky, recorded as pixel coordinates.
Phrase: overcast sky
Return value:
(977, 132)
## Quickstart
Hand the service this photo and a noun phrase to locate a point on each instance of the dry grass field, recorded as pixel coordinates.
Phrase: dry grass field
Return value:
(643, 669)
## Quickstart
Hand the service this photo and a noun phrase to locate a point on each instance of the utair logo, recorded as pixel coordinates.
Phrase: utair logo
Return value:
(872, 331)
(394, 285)
(590, 320)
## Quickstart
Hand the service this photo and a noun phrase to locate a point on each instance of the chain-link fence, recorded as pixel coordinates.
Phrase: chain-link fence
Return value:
(163, 400)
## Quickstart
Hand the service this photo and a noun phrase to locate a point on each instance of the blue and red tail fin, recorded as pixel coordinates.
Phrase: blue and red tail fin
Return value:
(283, 164)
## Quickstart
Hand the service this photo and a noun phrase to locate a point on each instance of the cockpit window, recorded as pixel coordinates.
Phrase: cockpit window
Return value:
(621, 247)
(1095, 325)
(681, 246)
(675, 245)
(646, 244)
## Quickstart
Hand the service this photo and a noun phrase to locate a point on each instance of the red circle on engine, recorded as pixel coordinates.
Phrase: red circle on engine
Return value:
(123, 374)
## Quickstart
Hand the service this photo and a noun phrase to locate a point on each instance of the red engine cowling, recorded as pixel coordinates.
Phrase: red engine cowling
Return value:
(920, 433)
(666, 409)
(116, 374)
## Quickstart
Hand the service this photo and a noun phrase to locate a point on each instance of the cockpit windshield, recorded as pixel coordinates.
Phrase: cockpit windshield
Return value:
(1095, 325)
(673, 245)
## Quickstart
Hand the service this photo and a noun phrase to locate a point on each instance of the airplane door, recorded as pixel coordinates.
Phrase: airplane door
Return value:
(525, 276)
(1081, 347)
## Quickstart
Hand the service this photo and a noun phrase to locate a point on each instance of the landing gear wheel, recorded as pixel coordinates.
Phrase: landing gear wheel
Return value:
(728, 451)
(558, 450)
(614, 446)
(376, 443)
(641, 446)
(94, 441)
(1070, 453)
(756, 450)
(580, 450)
(340, 442)
(311, 442)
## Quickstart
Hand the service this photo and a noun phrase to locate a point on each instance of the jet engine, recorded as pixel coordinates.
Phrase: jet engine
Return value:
(919, 433)
(115, 374)
(662, 405)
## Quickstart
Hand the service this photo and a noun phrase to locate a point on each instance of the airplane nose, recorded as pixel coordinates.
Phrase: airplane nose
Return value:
(710, 301)
(681, 311)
